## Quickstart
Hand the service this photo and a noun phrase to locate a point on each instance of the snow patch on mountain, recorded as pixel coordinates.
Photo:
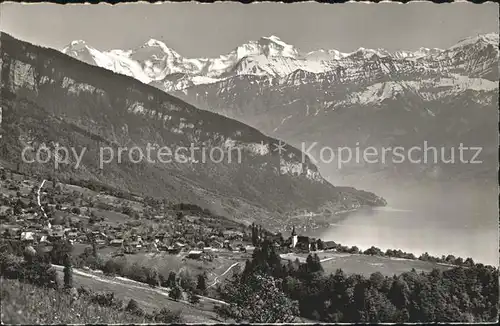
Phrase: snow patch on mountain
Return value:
(428, 89)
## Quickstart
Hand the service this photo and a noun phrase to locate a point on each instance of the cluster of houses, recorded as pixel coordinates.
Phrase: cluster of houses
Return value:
(189, 236)
(123, 237)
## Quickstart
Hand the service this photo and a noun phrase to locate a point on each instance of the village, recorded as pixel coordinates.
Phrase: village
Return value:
(117, 226)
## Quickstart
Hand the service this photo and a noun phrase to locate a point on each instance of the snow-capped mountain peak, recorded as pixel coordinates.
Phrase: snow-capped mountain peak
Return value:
(275, 39)
(153, 43)
(490, 38)
(368, 53)
(81, 51)
(268, 56)
(269, 46)
(77, 43)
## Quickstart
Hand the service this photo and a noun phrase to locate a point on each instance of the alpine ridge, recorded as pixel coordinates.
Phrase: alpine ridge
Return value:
(367, 97)
(50, 99)
(156, 63)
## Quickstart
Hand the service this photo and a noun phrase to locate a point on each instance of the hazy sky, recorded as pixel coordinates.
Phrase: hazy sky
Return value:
(204, 30)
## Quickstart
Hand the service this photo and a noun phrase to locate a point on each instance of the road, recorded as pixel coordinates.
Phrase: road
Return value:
(131, 284)
(38, 197)
(216, 280)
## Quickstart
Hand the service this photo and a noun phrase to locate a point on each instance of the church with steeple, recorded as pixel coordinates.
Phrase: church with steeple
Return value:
(294, 237)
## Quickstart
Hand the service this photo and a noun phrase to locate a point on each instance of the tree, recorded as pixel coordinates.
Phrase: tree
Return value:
(377, 280)
(153, 277)
(313, 264)
(399, 295)
(255, 236)
(68, 272)
(257, 298)
(171, 281)
(60, 249)
(469, 262)
(201, 285)
(186, 281)
(175, 293)
(194, 298)
(133, 307)
(374, 251)
(320, 245)
(18, 206)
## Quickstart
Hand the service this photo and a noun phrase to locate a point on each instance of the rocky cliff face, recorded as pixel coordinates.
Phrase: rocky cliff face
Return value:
(50, 99)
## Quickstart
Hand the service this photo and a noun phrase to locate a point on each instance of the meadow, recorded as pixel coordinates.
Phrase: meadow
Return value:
(366, 264)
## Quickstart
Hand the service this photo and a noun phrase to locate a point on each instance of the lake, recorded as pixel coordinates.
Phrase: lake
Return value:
(438, 218)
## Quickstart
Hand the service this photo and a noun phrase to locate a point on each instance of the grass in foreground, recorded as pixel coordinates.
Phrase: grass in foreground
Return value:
(149, 299)
(28, 304)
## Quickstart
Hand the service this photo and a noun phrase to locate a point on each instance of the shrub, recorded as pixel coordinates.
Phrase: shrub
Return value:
(46, 306)
(167, 316)
(112, 267)
(175, 293)
(105, 299)
(133, 307)
(194, 298)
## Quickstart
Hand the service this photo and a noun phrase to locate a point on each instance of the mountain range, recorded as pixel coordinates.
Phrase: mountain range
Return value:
(154, 62)
(369, 97)
(50, 99)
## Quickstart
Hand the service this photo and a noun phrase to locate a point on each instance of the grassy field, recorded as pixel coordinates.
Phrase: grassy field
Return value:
(105, 252)
(165, 263)
(27, 304)
(104, 198)
(111, 217)
(148, 298)
(366, 265)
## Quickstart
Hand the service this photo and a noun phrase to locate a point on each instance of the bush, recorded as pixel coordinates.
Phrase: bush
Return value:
(194, 298)
(133, 307)
(137, 273)
(166, 316)
(35, 272)
(153, 278)
(186, 282)
(59, 251)
(105, 299)
(112, 267)
(175, 293)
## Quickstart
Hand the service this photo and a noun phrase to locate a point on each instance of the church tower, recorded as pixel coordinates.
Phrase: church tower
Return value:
(294, 237)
